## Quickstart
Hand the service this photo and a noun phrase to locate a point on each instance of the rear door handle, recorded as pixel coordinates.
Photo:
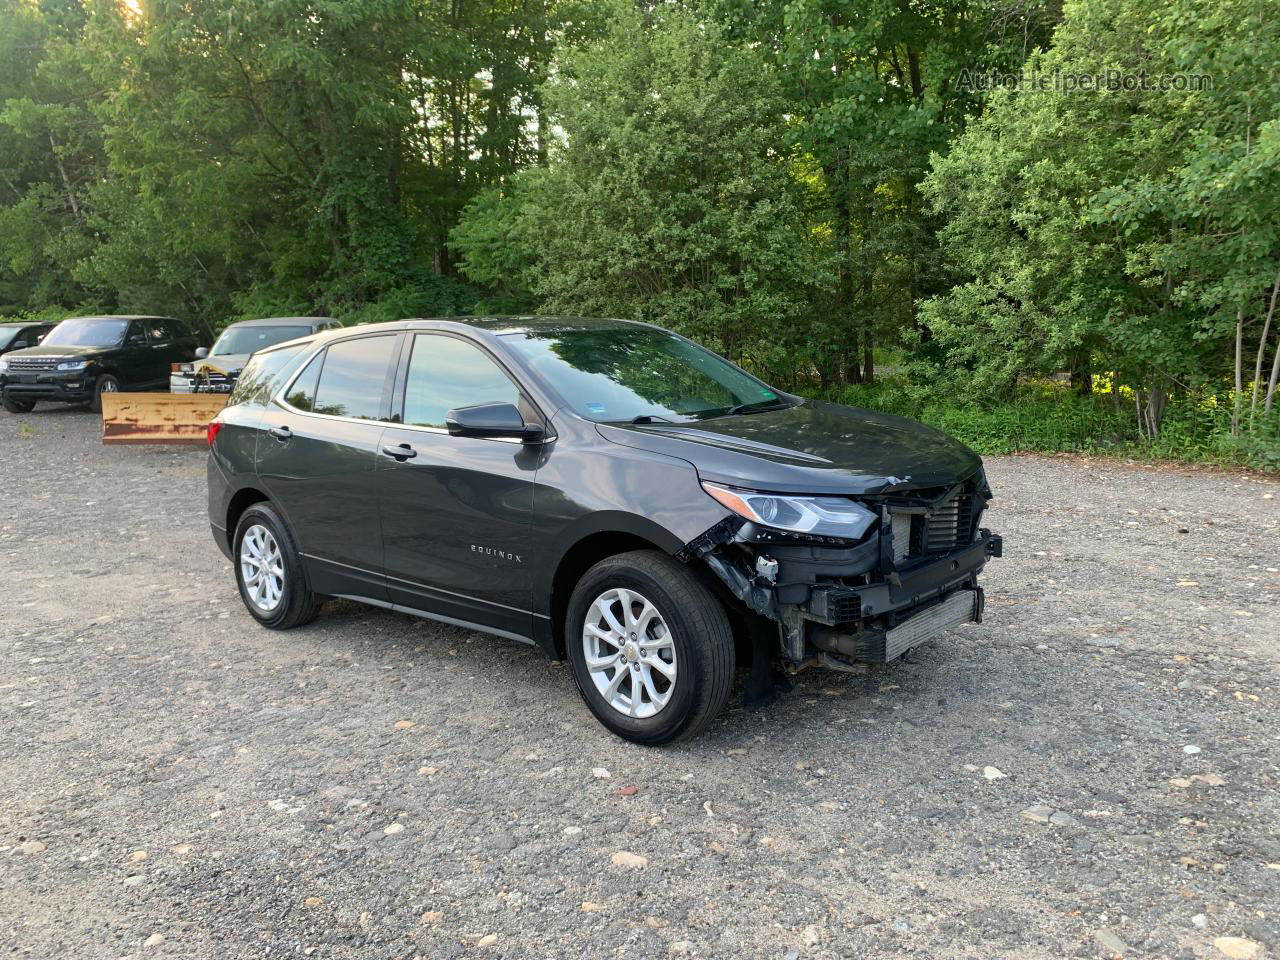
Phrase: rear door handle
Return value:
(401, 453)
(281, 433)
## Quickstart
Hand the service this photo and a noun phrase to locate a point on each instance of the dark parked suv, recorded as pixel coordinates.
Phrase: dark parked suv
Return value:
(608, 491)
(85, 357)
(19, 336)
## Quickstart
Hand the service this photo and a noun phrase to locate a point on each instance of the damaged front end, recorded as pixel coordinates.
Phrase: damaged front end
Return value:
(839, 602)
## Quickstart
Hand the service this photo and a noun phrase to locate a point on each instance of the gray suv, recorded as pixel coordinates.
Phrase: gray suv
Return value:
(608, 491)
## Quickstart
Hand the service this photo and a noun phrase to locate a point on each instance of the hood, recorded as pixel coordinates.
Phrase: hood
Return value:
(59, 351)
(223, 363)
(809, 448)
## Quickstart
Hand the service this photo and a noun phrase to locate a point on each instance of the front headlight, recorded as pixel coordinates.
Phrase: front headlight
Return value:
(67, 366)
(4, 365)
(821, 516)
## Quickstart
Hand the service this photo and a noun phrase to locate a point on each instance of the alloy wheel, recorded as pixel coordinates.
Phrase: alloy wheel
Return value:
(262, 568)
(630, 653)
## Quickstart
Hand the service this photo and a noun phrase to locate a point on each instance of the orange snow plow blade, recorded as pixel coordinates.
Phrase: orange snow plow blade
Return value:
(173, 418)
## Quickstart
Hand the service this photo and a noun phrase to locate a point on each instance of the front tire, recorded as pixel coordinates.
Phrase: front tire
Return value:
(273, 584)
(107, 383)
(650, 647)
(14, 405)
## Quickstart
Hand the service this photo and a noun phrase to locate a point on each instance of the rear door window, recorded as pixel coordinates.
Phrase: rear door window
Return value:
(353, 378)
(137, 335)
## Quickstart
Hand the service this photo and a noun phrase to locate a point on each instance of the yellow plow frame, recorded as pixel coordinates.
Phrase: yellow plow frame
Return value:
(170, 418)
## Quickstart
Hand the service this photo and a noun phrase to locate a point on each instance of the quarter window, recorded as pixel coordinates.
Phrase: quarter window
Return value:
(352, 378)
(446, 373)
(263, 370)
(302, 394)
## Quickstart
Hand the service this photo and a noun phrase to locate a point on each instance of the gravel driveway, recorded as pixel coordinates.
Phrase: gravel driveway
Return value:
(1094, 766)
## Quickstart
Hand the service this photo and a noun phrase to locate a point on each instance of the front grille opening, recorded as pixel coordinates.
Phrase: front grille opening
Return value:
(948, 527)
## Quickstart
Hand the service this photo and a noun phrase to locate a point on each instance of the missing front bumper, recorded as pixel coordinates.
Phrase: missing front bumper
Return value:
(838, 607)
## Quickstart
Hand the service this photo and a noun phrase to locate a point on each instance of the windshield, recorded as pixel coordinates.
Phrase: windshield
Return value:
(87, 332)
(628, 373)
(250, 339)
(7, 335)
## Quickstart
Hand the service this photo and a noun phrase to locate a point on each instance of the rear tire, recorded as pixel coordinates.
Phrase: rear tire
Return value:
(669, 672)
(107, 383)
(269, 572)
(14, 405)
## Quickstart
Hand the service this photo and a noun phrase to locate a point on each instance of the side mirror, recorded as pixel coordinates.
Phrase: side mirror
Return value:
(494, 421)
(201, 352)
(20, 345)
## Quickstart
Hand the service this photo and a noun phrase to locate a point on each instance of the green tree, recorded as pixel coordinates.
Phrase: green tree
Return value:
(50, 154)
(873, 91)
(667, 198)
(1133, 232)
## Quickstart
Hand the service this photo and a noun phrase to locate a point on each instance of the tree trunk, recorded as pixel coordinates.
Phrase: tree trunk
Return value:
(1262, 349)
(837, 177)
(1239, 399)
(917, 85)
(1155, 410)
(868, 354)
(1081, 376)
(66, 181)
(1272, 380)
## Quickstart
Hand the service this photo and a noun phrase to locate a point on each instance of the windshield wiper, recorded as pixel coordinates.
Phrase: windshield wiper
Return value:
(649, 418)
(754, 407)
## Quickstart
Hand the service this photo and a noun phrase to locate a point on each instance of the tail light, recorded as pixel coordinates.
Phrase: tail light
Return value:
(214, 427)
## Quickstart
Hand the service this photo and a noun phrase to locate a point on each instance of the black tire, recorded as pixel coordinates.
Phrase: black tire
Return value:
(297, 604)
(699, 629)
(14, 405)
(107, 383)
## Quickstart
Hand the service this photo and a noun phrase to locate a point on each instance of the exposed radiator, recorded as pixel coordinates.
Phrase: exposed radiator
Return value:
(901, 535)
(960, 607)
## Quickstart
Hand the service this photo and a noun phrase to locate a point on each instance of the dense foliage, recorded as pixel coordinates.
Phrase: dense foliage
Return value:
(806, 185)
(1127, 233)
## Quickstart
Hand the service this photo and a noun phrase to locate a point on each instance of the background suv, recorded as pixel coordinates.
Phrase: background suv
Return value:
(216, 369)
(85, 357)
(609, 491)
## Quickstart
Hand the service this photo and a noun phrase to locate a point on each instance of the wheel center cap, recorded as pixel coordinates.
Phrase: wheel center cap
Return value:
(629, 651)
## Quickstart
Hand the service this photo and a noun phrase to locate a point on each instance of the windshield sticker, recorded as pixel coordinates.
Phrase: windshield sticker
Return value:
(768, 395)
(594, 407)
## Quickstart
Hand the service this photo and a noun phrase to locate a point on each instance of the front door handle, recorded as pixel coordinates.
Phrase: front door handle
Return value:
(281, 433)
(401, 453)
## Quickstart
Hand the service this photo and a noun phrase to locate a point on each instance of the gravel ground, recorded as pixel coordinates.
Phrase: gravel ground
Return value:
(1094, 766)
